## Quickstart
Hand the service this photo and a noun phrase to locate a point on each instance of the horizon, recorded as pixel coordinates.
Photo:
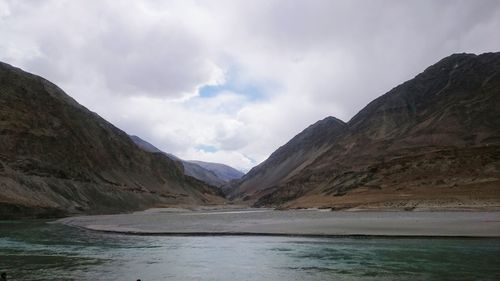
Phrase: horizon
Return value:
(207, 82)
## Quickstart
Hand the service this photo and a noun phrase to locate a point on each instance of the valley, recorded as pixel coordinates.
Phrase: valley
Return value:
(431, 143)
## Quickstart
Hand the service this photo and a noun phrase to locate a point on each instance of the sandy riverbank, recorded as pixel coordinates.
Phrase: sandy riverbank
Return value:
(293, 222)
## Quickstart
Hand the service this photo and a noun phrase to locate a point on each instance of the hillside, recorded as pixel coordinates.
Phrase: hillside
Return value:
(215, 174)
(433, 141)
(288, 159)
(59, 158)
(222, 171)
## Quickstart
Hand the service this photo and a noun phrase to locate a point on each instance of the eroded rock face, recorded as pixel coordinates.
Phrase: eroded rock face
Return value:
(57, 157)
(438, 131)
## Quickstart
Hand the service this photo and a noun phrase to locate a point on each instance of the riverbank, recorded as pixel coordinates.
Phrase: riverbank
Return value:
(294, 222)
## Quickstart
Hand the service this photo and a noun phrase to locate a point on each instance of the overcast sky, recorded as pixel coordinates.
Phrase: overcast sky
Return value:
(231, 81)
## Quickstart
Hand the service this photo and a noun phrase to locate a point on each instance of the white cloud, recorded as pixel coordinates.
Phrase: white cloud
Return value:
(141, 65)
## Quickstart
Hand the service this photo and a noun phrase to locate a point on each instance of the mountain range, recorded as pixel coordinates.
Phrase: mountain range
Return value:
(432, 141)
(215, 174)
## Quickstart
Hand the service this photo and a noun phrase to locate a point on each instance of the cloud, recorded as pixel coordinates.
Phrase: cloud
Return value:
(132, 49)
(238, 77)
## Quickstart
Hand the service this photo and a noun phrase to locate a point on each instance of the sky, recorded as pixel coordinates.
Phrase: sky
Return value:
(230, 81)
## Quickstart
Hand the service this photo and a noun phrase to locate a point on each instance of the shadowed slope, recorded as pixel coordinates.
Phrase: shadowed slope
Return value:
(288, 159)
(57, 157)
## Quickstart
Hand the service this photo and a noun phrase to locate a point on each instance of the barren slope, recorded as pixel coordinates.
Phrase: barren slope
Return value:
(57, 157)
(435, 138)
(287, 160)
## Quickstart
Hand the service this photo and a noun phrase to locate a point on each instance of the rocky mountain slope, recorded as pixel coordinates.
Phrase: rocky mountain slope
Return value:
(212, 173)
(287, 160)
(58, 158)
(432, 141)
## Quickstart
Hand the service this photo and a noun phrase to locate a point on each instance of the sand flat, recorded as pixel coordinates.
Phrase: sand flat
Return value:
(295, 222)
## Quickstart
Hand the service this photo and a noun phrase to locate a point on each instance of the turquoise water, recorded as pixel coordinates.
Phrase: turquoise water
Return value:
(36, 250)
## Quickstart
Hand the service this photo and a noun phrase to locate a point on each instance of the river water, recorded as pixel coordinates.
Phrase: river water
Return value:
(37, 250)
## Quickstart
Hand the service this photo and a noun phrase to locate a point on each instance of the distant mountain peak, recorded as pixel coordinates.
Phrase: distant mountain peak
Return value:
(215, 174)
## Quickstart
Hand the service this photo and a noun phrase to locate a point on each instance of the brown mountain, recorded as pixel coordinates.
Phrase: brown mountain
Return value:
(57, 158)
(433, 141)
(289, 159)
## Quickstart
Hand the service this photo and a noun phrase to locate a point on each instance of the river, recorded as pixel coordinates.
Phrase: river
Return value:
(38, 250)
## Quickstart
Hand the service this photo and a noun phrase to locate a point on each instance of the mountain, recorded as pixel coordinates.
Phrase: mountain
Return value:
(212, 173)
(222, 171)
(288, 159)
(58, 158)
(433, 141)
